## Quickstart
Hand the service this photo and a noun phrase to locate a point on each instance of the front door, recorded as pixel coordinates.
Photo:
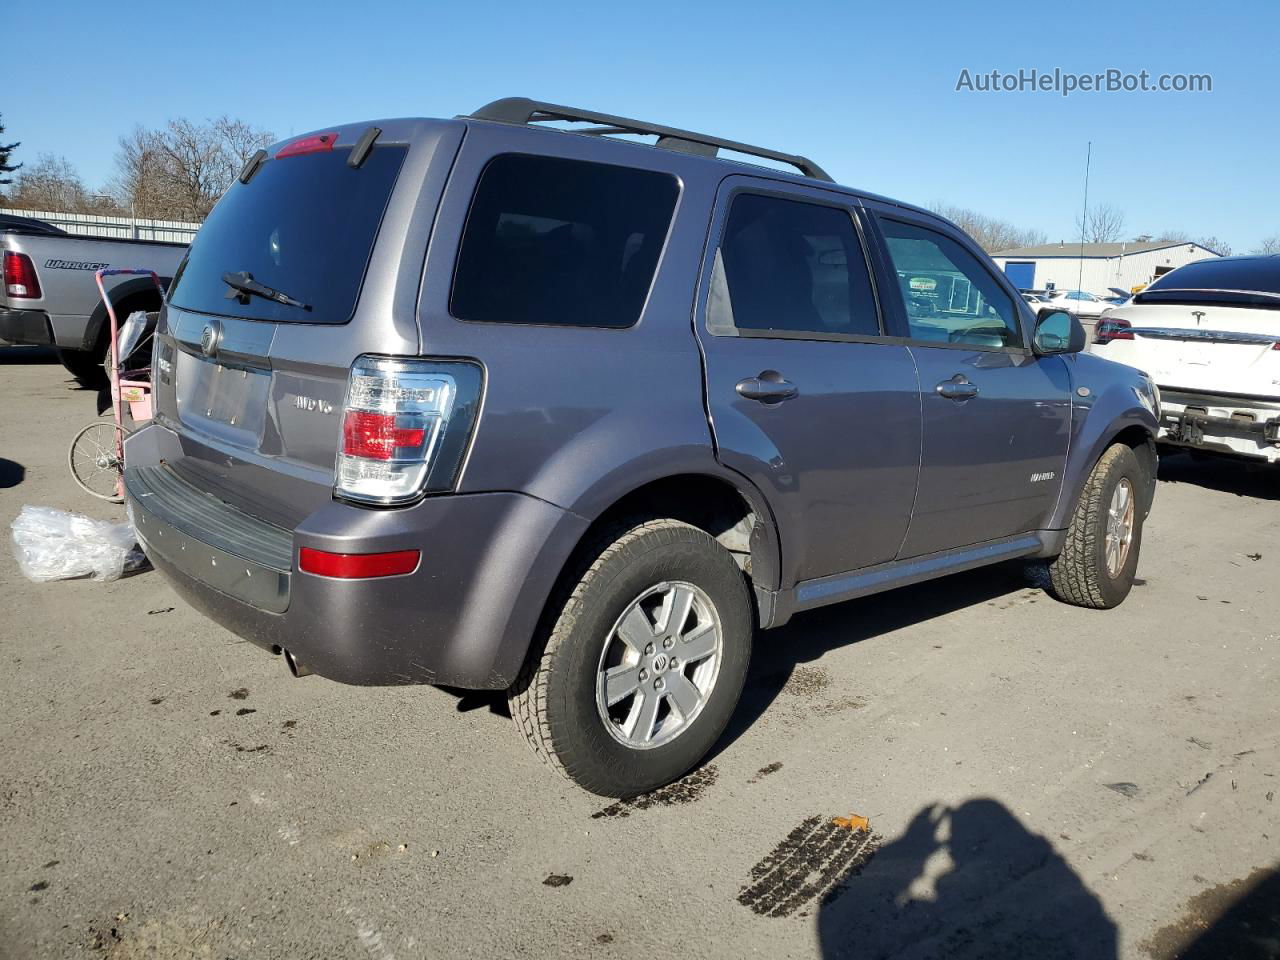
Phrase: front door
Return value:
(996, 417)
(807, 397)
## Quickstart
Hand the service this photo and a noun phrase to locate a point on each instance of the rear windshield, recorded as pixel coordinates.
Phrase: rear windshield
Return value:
(1247, 281)
(552, 241)
(303, 225)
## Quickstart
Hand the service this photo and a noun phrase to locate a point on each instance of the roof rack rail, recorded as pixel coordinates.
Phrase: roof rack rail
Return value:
(528, 112)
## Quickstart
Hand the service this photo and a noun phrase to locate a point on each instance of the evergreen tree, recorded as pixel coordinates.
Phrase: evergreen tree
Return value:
(5, 166)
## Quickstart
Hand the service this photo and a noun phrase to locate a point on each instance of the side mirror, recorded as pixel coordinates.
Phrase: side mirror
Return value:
(1058, 332)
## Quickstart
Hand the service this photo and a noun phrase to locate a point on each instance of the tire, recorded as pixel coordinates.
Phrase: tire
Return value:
(1092, 571)
(559, 701)
(93, 462)
(84, 365)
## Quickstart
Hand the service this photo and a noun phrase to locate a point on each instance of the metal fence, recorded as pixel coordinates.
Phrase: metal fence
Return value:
(93, 225)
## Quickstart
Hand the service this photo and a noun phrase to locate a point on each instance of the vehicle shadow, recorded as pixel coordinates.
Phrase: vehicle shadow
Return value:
(777, 653)
(1244, 478)
(16, 355)
(11, 473)
(1240, 920)
(965, 882)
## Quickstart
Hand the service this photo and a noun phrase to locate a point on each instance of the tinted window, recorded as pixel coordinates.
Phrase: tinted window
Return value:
(556, 241)
(303, 225)
(950, 297)
(1237, 281)
(784, 265)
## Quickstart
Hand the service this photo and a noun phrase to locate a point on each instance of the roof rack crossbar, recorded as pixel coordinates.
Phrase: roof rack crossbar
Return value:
(522, 110)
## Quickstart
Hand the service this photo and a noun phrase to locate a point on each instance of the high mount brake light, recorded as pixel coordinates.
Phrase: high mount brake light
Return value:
(405, 428)
(1112, 329)
(317, 143)
(20, 276)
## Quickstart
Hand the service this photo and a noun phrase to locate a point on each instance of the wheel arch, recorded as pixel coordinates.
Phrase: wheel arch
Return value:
(122, 294)
(710, 497)
(1106, 423)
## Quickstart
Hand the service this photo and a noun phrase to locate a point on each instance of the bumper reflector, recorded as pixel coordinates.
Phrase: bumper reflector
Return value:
(357, 566)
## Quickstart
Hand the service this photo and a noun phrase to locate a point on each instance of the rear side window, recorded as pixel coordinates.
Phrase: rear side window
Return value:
(553, 241)
(789, 267)
(303, 225)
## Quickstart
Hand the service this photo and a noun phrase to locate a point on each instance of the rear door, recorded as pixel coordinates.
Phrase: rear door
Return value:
(808, 398)
(996, 418)
(255, 386)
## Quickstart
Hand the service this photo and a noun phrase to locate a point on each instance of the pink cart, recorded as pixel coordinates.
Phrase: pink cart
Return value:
(96, 456)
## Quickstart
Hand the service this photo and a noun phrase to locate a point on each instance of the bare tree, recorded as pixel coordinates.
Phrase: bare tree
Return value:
(50, 183)
(140, 184)
(1101, 224)
(989, 233)
(181, 170)
(1216, 245)
(1269, 245)
(1182, 236)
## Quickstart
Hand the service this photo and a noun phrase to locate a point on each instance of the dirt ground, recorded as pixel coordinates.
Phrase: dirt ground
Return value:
(1037, 780)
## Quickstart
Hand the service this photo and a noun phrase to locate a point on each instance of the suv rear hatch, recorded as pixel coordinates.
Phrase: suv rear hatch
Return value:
(312, 258)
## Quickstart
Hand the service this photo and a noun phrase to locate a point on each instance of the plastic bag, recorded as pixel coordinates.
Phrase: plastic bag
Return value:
(130, 335)
(53, 544)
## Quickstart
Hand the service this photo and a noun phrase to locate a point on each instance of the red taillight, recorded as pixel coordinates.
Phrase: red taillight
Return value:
(20, 276)
(1114, 329)
(375, 436)
(317, 143)
(357, 566)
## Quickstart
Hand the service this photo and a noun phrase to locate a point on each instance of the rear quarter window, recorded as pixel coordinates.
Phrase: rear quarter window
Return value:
(561, 242)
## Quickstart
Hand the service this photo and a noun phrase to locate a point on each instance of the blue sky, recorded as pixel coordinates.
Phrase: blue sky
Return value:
(867, 90)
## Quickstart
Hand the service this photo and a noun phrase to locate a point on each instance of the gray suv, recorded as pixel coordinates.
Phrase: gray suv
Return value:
(504, 402)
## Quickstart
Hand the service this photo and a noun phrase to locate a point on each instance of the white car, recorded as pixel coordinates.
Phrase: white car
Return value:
(1208, 334)
(1078, 303)
(1081, 304)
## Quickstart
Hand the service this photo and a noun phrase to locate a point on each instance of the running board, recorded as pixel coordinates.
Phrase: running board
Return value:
(821, 591)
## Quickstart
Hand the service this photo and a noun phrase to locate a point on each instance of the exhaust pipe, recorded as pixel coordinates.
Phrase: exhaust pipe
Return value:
(296, 667)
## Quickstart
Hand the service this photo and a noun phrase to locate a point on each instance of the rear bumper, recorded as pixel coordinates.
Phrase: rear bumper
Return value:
(25, 326)
(464, 618)
(1242, 425)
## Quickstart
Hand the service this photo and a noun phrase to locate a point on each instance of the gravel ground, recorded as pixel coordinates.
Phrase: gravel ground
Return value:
(1037, 780)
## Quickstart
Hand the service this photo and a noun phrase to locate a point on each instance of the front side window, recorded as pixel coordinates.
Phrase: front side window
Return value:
(949, 297)
(789, 267)
(564, 242)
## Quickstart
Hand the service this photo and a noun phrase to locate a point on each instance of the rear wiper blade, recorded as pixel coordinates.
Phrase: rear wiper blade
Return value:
(243, 286)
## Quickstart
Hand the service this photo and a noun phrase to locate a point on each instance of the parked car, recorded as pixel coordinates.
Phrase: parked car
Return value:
(1034, 300)
(1078, 303)
(1081, 304)
(50, 296)
(1209, 334)
(1118, 297)
(431, 408)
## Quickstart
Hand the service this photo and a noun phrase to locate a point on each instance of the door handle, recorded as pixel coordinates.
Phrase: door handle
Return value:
(958, 388)
(769, 387)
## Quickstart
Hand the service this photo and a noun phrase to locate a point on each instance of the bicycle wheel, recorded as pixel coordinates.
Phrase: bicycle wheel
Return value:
(95, 465)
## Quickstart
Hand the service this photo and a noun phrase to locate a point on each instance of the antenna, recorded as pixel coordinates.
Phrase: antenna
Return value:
(1084, 217)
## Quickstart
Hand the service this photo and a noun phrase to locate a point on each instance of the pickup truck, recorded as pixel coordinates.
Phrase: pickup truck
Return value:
(49, 295)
